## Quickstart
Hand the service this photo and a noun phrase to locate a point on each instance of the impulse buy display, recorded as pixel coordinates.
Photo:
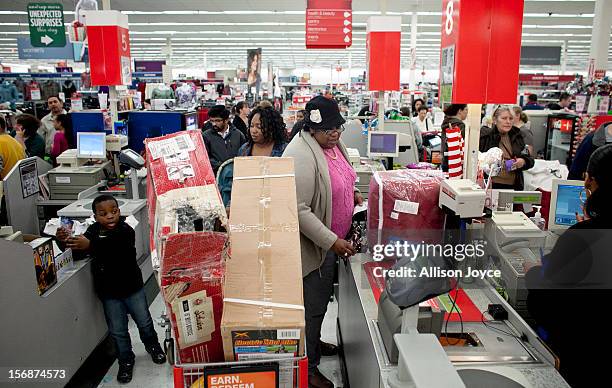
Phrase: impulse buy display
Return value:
(226, 305)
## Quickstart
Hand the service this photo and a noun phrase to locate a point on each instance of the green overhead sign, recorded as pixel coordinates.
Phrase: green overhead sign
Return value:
(46, 22)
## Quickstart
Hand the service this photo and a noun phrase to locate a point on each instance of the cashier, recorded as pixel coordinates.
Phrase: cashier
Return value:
(573, 285)
(325, 183)
(516, 156)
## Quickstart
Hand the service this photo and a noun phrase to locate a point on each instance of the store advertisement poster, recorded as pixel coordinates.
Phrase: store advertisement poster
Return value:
(254, 68)
(581, 103)
(44, 264)
(251, 376)
(29, 178)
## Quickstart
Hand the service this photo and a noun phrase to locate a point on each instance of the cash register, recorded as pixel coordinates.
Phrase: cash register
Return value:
(80, 168)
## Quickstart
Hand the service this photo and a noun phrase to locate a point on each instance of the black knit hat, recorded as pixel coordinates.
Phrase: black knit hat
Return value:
(322, 113)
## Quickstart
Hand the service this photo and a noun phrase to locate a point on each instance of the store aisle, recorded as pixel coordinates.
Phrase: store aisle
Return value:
(147, 374)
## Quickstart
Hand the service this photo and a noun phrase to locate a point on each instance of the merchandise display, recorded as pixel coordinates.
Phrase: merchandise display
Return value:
(425, 201)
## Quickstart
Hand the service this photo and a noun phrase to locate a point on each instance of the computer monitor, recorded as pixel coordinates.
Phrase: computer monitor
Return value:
(564, 203)
(383, 144)
(91, 145)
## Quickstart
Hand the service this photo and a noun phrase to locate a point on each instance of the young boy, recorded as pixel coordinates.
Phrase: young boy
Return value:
(118, 281)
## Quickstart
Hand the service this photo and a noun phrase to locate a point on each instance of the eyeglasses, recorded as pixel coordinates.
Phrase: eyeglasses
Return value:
(329, 132)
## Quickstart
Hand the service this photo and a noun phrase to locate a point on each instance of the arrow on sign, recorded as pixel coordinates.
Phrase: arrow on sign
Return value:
(347, 39)
(346, 22)
(347, 14)
(46, 40)
(346, 30)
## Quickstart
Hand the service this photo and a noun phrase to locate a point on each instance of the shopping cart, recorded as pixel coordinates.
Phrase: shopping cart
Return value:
(193, 375)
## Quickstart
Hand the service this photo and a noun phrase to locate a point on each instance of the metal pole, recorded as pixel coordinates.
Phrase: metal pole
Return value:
(112, 90)
(413, 47)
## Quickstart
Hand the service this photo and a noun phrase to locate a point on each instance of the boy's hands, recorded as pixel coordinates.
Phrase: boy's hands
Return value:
(80, 243)
(62, 234)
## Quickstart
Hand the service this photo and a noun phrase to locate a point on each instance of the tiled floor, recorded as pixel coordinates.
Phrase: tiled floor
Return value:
(147, 374)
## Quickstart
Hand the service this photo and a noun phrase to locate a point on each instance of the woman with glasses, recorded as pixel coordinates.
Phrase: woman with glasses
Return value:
(325, 183)
(575, 280)
(516, 157)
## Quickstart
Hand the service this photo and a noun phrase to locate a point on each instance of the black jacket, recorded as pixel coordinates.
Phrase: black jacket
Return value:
(452, 122)
(490, 137)
(115, 270)
(575, 279)
(240, 125)
(220, 149)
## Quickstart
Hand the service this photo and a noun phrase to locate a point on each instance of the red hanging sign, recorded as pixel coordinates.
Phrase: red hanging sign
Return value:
(329, 24)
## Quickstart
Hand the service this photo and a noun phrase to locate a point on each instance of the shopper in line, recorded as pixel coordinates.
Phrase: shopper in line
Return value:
(422, 121)
(47, 128)
(508, 138)
(267, 136)
(577, 272)
(326, 197)
(117, 280)
(223, 140)
(11, 152)
(532, 103)
(416, 104)
(521, 121)
(26, 132)
(299, 124)
(592, 141)
(63, 139)
(241, 117)
(454, 116)
(565, 99)
(405, 111)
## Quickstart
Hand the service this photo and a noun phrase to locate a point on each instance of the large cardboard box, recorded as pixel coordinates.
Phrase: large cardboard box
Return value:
(263, 313)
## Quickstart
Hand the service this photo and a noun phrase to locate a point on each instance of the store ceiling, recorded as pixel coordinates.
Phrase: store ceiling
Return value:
(215, 34)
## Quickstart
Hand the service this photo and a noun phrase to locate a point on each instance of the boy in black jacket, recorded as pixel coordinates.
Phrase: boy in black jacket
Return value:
(118, 281)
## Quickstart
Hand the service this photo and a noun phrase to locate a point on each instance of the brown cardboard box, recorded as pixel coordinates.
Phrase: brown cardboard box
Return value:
(263, 301)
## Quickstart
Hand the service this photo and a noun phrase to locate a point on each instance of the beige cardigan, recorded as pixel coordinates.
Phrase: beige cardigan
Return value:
(313, 187)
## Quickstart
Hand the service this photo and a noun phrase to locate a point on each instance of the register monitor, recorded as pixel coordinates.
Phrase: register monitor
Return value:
(91, 145)
(383, 144)
(564, 203)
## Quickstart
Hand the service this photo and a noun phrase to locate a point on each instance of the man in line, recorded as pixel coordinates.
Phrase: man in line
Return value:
(47, 129)
(532, 103)
(564, 102)
(223, 140)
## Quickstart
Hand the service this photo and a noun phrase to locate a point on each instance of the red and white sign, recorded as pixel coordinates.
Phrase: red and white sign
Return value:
(109, 48)
(545, 78)
(301, 99)
(383, 44)
(599, 73)
(329, 24)
(480, 51)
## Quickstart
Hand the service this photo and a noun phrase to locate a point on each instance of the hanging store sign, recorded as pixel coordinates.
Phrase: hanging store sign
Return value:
(25, 50)
(148, 66)
(46, 21)
(329, 24)
(545, 78)
(110, 60)
(383, 44)
(470, 47)
(540, 55)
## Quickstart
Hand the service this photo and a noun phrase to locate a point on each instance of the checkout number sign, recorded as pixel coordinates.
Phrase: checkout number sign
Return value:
(449, 22)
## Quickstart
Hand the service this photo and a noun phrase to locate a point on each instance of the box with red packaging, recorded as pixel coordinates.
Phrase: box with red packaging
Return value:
(403, 206)
(175, 161)
(191, 277)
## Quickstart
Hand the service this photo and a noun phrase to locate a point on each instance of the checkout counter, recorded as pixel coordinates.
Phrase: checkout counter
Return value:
(388, 347)
(66, 322)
